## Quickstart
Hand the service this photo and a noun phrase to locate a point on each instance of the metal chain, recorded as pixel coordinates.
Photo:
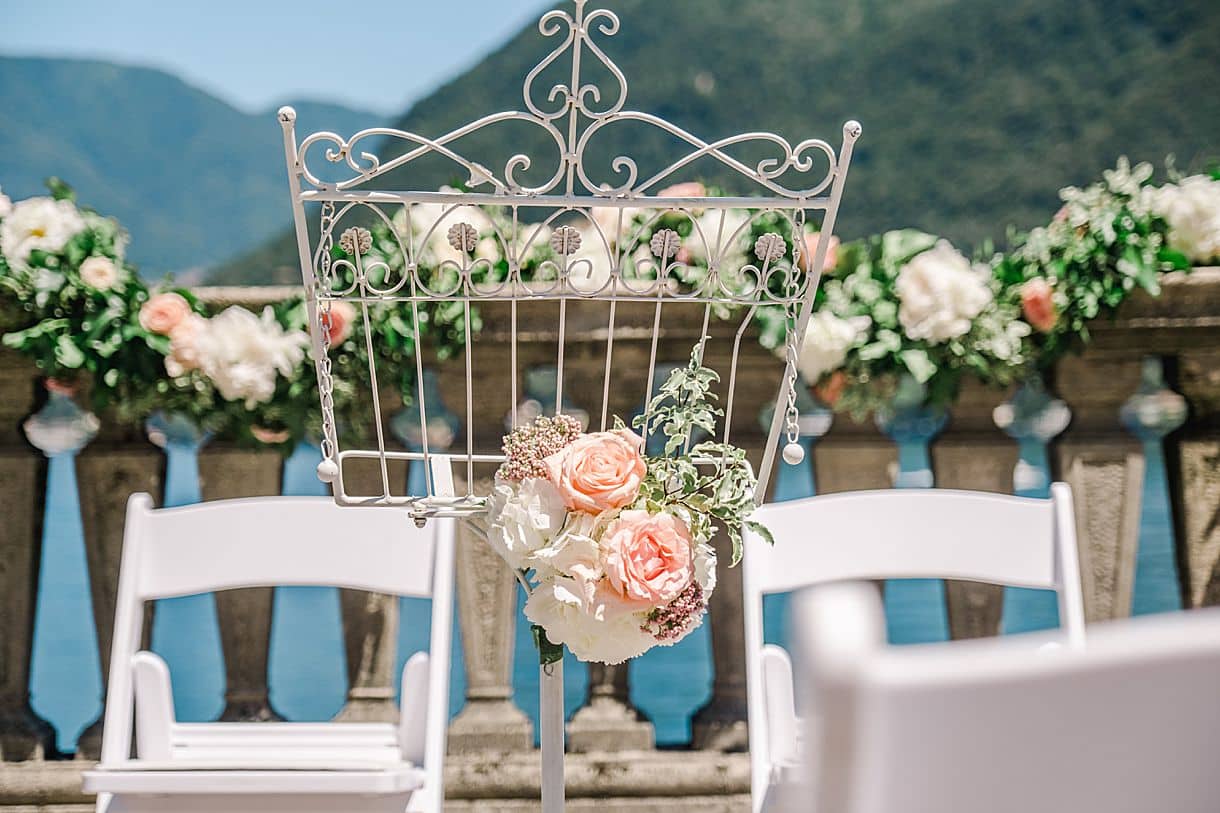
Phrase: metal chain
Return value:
(326, 383)
(792, 295)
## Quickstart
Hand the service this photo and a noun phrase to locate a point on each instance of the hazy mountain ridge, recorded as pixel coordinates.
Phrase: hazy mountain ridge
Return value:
(195, 180)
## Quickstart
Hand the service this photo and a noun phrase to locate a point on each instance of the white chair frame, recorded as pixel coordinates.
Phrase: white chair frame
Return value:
(274, 766)
(1127, 724)
(891, 534)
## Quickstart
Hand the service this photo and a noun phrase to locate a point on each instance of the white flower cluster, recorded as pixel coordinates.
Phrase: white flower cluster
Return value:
(37, 224)
(1191, 207)
(240, 353)
(826, 342)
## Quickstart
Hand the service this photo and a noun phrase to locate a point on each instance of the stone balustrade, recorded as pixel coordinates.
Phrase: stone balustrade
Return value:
(1146, 393)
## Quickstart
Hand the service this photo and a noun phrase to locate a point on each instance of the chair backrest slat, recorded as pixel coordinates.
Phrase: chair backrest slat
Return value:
(282, 541)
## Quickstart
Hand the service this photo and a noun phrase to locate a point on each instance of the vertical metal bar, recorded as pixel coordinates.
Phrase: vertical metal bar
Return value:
(563, 326)
(609, 356)
(469, 403)
(368, 344)
(728, 407)
(550, 735)
(513, 356)
(652, 361)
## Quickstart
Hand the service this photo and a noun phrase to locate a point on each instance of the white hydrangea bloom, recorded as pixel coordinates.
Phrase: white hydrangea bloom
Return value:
(1191, 207)
(6, 205)
(242, 353)
(594, 630)
(524, 516)
(940, 294)
(42, 224)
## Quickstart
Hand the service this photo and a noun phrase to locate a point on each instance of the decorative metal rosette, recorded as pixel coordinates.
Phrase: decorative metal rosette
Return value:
(566, 240)
(770, 247)
(665, 243)
(356, 240)
(463, 237)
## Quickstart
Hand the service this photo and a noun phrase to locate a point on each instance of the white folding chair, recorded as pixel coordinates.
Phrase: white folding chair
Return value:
(893, 534)
(274, 766)
(1127, 725)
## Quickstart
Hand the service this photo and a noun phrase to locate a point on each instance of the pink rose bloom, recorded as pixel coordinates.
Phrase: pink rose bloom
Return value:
(599, 471)
(163, 312)
(690, 189)
(183, 345)
(342, 315)
(1038, 304)
(648, 557)
(810, 250)
(269, 436)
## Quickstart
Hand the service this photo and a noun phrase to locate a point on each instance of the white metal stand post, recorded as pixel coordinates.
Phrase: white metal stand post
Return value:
(550, 734)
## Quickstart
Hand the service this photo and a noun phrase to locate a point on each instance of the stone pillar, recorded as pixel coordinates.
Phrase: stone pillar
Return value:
(608, 721)
(1193, 468)
(1105, 468)
(487, 612)
(116, 465)
(245, 614)
(721, 724)
(23, 735)
(972, 454)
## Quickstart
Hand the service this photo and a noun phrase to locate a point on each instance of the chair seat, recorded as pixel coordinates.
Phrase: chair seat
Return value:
(279, 777)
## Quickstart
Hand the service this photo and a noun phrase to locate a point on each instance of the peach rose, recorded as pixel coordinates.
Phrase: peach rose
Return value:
(830, 390)
(648, 557)
(342, 315)
(599, 471)
(689, 189)
(810, 250)
(183, 345)
(1038, 304)
(269, 436)
(163, 312)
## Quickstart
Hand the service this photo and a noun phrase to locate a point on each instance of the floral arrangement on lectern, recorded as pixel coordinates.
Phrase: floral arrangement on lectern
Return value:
(618, 542)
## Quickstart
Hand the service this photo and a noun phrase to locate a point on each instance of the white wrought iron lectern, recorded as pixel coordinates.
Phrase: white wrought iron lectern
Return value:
(597, 228)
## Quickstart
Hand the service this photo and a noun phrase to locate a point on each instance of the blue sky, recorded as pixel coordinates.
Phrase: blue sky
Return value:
(375, 54)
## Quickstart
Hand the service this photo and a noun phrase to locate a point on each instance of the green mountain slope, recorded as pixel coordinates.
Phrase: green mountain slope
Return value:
(195, 180)
(975, 112)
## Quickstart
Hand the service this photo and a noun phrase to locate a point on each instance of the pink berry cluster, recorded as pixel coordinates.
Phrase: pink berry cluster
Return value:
(527, 446)
(678, 617)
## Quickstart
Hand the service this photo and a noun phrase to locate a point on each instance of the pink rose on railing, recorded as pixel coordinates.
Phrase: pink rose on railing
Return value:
(688, 189)
(599, 471)
(184, 345)
(810, 250)
(163, 312)
(648, 557)
(1038, 304)
(342, 315)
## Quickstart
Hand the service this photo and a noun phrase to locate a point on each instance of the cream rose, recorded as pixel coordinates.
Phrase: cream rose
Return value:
(827, 340)
(648, 557)
(940, 294)
(599, 471)
(164, 312)
(99, 273)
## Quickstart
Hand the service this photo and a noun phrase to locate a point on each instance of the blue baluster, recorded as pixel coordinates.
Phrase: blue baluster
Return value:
(307, 662)
(413, 616)
(1033, 417)
(1151, 414)
(914, 608)
(185, 631)
(65, 667)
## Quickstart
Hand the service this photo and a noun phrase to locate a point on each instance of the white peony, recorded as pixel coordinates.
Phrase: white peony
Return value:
(42, 224)
(99, 273)
(6, 205)
(827, 340)
(524, 516)
(1191, 207)
(592, 628)
(241, 354)
(940, 294)
(430, 223)
(705, 568)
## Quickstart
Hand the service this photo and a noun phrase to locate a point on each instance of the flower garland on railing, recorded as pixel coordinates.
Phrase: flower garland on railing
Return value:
(901, 318)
